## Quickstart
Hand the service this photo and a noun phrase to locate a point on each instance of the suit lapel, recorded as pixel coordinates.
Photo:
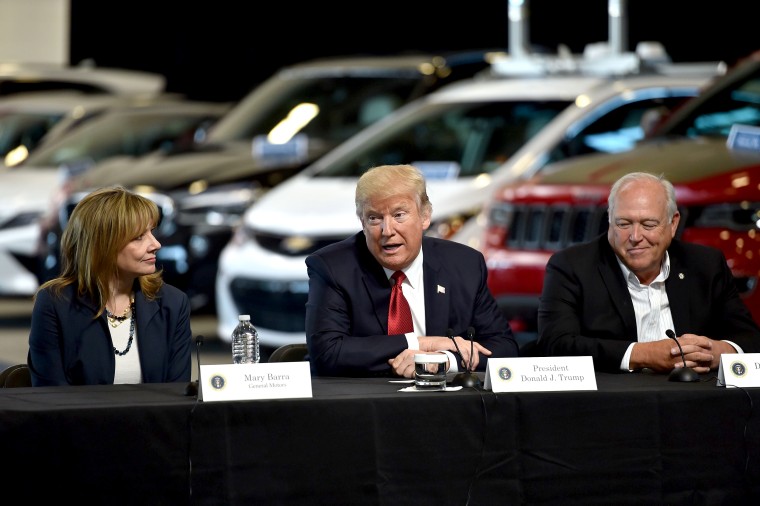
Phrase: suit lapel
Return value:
(146, 311)
(375, 283)
(613, 280)
(678, 288)
(437, 297)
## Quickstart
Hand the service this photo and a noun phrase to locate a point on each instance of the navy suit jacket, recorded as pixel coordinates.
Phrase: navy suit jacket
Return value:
(585, 307)
(349, 294)
(68, 347)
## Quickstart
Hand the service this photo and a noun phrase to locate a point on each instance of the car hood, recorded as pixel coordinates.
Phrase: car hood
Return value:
(324, 207)
(680, 160)
(211, 165)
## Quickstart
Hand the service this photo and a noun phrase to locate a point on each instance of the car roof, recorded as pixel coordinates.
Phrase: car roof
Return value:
(423, 63)
(19, 76)
(556, 87)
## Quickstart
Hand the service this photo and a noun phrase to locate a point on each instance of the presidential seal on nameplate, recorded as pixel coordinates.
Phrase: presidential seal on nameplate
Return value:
(739, 370)
(540, 374)
(241, 382)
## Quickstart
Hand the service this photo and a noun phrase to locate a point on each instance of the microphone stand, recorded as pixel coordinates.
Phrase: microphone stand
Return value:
(193, 387)
(684, 374)
(467, 379)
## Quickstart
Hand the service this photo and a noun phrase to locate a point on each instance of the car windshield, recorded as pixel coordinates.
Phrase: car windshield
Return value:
(120, 134)
(27, 129)
(330, 109)
(736, 104)
(452, 140)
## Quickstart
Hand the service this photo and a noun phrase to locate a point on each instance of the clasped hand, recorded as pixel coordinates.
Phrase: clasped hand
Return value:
(403, 363)
(700, 353)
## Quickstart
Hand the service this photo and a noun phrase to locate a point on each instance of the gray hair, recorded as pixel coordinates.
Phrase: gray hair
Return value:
(621, 183)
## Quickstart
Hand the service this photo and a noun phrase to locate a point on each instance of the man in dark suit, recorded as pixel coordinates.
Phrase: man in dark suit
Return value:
(615, 298)
(347, 316)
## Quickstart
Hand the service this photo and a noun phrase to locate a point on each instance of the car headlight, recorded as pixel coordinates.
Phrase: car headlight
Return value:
(221, 206)
(447, 227)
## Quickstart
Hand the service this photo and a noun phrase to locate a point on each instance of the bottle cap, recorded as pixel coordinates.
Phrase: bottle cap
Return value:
(244, 317)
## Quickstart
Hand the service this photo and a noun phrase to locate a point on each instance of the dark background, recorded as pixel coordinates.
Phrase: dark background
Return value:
(220, 49)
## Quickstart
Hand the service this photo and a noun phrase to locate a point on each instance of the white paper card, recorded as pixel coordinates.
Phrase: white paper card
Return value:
(739, 370)
(237, 382)
(540, 374)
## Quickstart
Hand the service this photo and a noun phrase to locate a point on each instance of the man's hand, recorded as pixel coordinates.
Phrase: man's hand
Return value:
(700, 353)
(703, 353)
(403, 363)
(440, 343)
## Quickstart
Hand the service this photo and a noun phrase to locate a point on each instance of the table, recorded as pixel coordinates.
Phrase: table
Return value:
(638, 439)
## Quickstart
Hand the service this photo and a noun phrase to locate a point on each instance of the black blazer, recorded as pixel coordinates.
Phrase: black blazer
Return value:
(349, 294)
(68, 347)
(585, 307)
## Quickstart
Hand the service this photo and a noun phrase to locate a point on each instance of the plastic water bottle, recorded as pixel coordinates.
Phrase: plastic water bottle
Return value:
(245, 342)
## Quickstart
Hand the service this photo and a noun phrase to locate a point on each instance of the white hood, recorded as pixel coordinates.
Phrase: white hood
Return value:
(26, 190)
(324, 207)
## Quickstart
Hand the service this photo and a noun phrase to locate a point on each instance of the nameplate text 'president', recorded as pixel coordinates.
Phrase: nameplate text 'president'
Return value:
(540, 374)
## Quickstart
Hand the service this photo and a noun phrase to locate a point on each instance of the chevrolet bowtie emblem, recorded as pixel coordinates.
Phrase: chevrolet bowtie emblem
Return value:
(441, 289)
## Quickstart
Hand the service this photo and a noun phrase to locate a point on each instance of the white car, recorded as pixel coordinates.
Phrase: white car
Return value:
(468, 138)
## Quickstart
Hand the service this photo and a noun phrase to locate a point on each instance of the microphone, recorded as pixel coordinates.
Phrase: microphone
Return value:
(471, 337)
(686, 374)
(192, 387)
(468, 378)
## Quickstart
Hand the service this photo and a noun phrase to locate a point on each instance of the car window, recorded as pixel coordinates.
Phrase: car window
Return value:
(329, 109)
(117, 134)
(474, 138)
(715, 117)
(617, 128)
(24, 129)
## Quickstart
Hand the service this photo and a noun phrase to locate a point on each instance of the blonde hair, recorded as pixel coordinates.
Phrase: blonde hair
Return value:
(101, 225)
(385, 181)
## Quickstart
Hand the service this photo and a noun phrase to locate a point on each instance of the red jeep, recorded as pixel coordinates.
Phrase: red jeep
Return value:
(709, 149)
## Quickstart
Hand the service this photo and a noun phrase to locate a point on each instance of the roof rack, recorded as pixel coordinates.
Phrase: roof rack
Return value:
(600, 59)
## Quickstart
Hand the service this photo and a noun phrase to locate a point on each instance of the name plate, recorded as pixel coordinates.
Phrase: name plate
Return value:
(739, 370)
(540, 374)
(242, 382)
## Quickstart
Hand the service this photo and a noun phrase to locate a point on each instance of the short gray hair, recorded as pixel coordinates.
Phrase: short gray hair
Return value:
(631, 177)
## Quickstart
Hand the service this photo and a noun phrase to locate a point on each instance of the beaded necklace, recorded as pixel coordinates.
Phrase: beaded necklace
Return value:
(131, 328)
(114, 320)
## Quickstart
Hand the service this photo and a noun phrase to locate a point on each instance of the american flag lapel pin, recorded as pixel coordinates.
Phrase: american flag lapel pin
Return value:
(441, 289)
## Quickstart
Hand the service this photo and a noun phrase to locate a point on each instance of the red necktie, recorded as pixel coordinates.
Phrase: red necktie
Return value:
(399, 314)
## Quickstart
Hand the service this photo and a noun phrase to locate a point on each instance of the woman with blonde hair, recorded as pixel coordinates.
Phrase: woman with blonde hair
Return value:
(109, 317)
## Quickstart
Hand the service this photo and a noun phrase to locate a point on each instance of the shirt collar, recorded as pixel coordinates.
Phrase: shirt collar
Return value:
(631, 277)
(413, 272)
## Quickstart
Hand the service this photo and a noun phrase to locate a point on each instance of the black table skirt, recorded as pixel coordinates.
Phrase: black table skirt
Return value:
(638, 439)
